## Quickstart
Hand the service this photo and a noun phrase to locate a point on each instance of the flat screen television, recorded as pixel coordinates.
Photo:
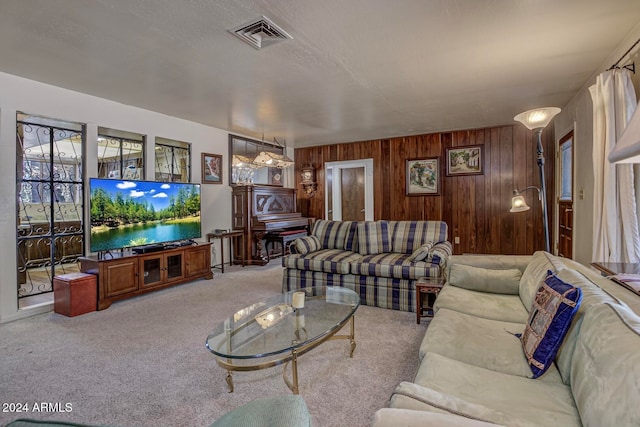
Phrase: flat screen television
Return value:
(132, 213)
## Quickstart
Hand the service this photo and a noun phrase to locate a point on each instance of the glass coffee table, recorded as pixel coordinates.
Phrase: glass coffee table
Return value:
(273, 332)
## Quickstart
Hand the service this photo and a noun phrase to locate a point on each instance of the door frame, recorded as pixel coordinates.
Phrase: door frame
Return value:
(336, 167)
(569, 135)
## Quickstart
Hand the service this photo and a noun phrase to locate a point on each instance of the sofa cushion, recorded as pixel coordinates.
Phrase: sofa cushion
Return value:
(592, 295)
(373, 237)
(415, 397)
(407, 236)
(605, 369)
(485, 279)
(394, 417)
(307, 244)
(498, 262)
(392, 265)
(534, 274)
(489, 344)
(421, 253)
(336, 234)
(546, 403)
(506, 308)
(549, 319)
(325, 260)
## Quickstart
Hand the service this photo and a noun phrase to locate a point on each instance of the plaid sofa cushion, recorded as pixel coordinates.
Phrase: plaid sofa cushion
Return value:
(373, 237)
(393, 265)
(421, 253)
(336, 234)
(325, 260)
(307, 244)
(407, 236)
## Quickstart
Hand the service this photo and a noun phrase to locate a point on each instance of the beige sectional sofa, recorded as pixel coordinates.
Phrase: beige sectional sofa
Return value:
(472, 366)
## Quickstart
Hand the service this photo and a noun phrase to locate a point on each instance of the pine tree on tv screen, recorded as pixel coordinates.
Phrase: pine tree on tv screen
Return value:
(137, 213)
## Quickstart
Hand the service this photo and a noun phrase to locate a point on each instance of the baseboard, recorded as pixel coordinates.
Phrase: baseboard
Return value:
(28, 312)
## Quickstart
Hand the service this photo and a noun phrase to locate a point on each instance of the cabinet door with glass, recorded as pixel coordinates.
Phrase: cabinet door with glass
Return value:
(161, 269)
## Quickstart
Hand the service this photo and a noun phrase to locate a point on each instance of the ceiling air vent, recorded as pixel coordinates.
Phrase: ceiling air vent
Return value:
(260, 33)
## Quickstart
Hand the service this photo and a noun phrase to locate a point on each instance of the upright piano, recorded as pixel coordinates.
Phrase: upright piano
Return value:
(261, 209)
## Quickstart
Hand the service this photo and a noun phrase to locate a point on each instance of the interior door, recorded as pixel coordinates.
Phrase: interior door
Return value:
(329, 187)
(353, 194)
(565, 201)
(349, 194)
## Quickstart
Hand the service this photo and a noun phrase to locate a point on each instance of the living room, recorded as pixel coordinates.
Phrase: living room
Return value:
(475, 207)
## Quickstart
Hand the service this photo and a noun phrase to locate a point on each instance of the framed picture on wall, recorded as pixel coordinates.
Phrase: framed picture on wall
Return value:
(211, 168)
(465, 160)
(423, 177)
(275, 176)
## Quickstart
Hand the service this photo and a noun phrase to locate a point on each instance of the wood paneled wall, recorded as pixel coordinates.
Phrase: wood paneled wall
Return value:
(476, 207)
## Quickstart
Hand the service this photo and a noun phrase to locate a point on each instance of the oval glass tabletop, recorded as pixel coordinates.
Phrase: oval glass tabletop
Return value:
(273, 326)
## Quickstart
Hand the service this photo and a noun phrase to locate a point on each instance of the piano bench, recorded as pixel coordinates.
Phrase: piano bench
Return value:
(282, 237)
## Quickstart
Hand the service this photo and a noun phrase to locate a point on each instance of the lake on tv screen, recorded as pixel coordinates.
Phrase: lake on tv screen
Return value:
(143, 234)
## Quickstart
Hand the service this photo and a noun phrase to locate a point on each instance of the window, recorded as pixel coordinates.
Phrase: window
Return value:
(566, 156)
(50, 232)
(120, 154)
(172, 160)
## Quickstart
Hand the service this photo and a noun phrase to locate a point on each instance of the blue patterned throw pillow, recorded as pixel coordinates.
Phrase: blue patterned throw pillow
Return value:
(553, 308)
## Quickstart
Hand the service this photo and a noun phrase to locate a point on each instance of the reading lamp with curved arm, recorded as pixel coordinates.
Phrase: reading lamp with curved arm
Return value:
(518, 204)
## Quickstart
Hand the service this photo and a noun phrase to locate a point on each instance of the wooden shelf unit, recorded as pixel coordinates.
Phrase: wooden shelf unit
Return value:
(126, 275)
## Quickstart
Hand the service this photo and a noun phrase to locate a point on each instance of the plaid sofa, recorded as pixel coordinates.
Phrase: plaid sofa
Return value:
(381, 260)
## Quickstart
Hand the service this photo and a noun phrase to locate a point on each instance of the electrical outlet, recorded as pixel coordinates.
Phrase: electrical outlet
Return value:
(456, 240)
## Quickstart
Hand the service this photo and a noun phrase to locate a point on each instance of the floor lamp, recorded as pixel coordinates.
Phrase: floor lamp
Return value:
(536, 120)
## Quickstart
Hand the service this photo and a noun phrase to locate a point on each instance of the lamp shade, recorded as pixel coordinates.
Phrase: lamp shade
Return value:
(537, 118)
(518, 204)
(241, 161)
(627, 149)
(263, 159)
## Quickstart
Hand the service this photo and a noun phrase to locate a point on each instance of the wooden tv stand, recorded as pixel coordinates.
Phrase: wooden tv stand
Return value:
(126, 275)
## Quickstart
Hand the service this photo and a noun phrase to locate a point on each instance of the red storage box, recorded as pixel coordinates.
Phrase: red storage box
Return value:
(75, 294)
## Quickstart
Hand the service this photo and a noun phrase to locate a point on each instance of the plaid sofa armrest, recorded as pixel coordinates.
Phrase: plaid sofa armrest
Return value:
(440, 253)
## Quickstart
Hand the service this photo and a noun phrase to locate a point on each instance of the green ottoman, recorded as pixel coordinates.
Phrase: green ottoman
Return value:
(279, 411)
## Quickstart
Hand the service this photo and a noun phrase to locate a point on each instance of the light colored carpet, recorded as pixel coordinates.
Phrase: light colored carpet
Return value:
(142, 362)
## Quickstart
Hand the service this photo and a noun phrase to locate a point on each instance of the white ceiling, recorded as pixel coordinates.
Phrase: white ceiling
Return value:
(355, 69)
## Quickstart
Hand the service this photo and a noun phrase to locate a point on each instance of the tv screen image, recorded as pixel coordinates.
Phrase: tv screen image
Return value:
(128, 213)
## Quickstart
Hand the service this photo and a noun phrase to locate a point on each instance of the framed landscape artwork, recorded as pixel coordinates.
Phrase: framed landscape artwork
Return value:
(465, 160)
(211, 168)
(423, 177)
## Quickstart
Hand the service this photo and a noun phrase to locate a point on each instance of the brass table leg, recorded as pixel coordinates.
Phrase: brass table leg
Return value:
(294, 370)
(352, 336)
(229, 381)
(293, 384)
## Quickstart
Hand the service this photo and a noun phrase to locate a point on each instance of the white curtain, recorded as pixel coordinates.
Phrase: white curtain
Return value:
(615, 222)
